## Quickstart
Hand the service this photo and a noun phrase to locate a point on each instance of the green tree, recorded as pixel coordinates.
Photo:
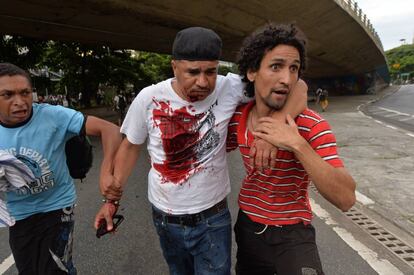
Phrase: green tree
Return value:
(401, 60)
(152, 68)
(85, 67)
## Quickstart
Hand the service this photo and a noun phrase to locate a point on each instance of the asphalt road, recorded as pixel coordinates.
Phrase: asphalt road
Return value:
(134, 249)
(396, 109)
(345, 247)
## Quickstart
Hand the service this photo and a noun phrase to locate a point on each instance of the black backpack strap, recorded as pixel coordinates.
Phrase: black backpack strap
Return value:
(79, 155)
(82, 131)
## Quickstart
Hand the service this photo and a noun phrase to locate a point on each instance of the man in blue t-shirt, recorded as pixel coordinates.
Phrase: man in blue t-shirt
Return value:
(36, 134)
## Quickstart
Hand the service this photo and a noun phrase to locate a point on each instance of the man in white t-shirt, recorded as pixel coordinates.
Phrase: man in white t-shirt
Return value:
(185, 119)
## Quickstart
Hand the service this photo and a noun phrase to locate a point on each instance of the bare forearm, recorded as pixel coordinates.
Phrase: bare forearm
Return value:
(125, 161)
(110, 139)
(334, 184)
(296, 102)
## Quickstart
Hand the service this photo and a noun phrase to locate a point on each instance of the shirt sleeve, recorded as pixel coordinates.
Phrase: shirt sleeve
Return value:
(231, 141)
(69, 119)
(323, 142)
(135, 124)
(238, 88)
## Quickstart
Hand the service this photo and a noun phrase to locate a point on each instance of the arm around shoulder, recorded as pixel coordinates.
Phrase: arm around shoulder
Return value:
(296, 103)
(297, 100)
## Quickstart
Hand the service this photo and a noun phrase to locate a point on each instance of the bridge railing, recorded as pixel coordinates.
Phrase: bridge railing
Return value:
(352, 7)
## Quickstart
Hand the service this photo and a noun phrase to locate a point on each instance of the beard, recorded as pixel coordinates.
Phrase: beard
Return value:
(275, 104)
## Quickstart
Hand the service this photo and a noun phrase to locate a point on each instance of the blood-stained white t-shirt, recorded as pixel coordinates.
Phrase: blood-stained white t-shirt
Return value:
(187, 143)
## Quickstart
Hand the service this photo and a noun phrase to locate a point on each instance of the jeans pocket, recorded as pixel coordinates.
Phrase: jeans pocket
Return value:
(159, 224)
(219, 220)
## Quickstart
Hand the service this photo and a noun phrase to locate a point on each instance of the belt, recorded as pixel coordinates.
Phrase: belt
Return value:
(258, 228)
(191, 219)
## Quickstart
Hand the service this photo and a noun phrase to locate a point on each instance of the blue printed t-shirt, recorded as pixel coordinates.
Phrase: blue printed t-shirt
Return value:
(40, 144)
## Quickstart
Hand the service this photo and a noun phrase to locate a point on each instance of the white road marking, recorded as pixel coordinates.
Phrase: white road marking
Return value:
(322, 213)
(363, 199)
(406, 118)
(381, 266)
(393, 111)
(386, 125)
(379, 112)
(391, 127)
(393, 115)
(6, 264)
(362, 113)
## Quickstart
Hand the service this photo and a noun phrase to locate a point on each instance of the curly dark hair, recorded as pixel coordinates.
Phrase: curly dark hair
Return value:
(264, 40)
(12, 70)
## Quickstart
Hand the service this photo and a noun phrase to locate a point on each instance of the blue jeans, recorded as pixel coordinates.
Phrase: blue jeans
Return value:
(204, 248)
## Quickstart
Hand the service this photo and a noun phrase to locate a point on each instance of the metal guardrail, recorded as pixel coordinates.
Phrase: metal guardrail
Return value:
(352, 7)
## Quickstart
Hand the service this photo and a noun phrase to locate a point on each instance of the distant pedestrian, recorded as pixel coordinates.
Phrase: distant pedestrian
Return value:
(322, 98)
(65, 102)
(35, 97)
(120, 106)
(80, 98)
(99, 97)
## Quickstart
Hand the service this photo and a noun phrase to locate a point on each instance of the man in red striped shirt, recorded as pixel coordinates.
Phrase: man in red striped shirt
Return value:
(273, 229)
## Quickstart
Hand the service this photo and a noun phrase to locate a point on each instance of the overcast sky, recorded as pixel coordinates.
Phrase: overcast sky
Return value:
(392, 19)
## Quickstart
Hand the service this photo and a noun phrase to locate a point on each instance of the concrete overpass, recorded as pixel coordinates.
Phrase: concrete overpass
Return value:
(341, 39)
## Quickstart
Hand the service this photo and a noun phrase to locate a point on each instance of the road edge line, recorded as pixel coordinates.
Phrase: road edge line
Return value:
(6, 264)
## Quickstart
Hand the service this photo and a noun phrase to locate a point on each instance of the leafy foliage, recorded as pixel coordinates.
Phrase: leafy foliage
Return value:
(401, 60)
(228, 68)
(84, 68)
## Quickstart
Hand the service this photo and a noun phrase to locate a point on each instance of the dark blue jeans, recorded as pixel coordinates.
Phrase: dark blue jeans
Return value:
(204, 248)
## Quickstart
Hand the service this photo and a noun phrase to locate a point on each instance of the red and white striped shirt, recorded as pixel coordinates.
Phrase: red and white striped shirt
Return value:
(280, 196)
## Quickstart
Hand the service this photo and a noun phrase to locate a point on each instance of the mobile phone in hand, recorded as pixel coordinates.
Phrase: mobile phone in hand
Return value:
(117, 220)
